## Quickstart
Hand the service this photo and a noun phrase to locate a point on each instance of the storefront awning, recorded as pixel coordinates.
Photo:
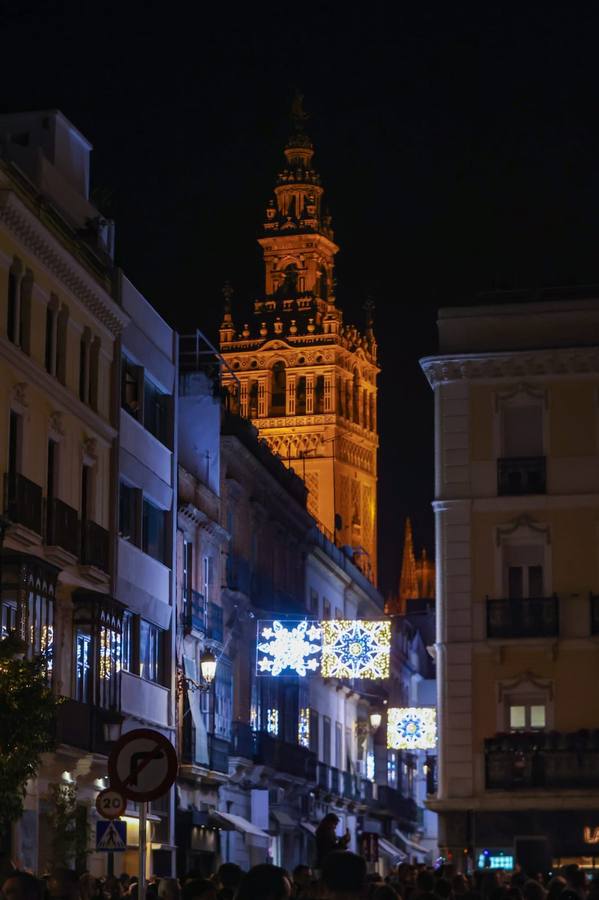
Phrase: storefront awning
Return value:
(411, 846)
(283, 819)
(390, 850)
(228, 822)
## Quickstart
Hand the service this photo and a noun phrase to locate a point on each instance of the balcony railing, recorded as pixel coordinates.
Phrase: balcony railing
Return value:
(594, 601)
(242, 740)
(218, 750)
(366, 790)
(540, 760)
(351, 787)
(95, 545)
(284, 757)
(404, 809)
(23, 501)
(523, 617)
(215, 626)
(194, 612)
(62, 526)
(81, 725)
(521, 475)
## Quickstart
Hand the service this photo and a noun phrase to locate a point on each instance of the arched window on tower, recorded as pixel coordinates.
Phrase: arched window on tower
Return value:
(372, 413)
(364, 408)
(322, 287)
(348, 399)
(356, 398)
(300, 397)
(253, 400)
(277, 403)
(319, 395)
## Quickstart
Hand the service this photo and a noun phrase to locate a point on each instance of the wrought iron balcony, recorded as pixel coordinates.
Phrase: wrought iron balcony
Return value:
(194, 612)
(594, 601)
(284, 757)
(81, 725)
(217, 759)
(521, 475)
(215, 625)
(23, 501)
(95, 545)
(404, 809)
(543, 760)
(62, 528)
(242, 740)
(523, 617)
(351, 786)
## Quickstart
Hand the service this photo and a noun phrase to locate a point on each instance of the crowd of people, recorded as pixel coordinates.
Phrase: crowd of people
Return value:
(341, 875)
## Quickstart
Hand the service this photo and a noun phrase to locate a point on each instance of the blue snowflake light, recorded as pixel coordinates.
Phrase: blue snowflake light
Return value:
(412, 728)
(288, 648)
(355, 649)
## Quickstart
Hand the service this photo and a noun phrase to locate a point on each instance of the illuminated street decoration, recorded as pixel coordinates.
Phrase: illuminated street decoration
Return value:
(355, 649)
(412, 728)
(272, 721)
(303, 728)
(288, 648)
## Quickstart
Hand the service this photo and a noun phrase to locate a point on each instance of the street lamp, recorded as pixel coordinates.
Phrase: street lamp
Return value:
(375, 720)
(208, 666)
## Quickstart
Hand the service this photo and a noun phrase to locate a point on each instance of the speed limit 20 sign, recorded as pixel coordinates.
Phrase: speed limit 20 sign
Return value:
(110, 804)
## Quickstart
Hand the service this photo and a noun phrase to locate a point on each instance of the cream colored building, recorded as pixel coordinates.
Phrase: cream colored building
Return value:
(516, 391)
(305, 378)
(59, 327)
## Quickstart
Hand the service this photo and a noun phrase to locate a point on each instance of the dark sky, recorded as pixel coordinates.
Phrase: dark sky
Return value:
(458, 144)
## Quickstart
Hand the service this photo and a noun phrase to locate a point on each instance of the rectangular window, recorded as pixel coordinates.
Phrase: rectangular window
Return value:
(8, 618)
(154, 531)
(186, 578)
(150, 639)
(83, 662)
(127, 642)
(303, 727)
(392, 768)
(314, 731)
(524, 570)
(51, 328)
(84, 369)
(326, 740)
(206, 578)
(12, 320)
(51, 482)
(129, 498)
(14, 443)
(526, 715)
(326, 609)
(131, 388)
(155, 411)
(523, 431)
(338, 745)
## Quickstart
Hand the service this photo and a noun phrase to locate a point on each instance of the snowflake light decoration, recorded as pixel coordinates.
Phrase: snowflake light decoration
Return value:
(288, 648)
(355, 649)
(412, 728)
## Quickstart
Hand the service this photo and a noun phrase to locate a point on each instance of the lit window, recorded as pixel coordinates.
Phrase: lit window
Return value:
(83, 657)
(149, 651)
(517, 717)
(392, 768)
(527, 715)
(303, 728)
(127, 641)
(272, 721)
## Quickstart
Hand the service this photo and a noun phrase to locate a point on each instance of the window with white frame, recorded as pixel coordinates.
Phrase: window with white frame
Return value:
(523, 570)
(526, 713)
(522, 428)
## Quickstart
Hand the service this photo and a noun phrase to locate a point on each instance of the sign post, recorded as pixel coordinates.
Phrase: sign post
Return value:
(142, 766)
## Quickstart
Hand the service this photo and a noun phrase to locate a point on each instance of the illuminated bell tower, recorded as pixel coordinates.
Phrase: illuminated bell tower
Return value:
(306, 380)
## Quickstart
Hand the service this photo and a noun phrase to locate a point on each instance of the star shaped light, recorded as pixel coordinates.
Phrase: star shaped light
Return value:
(288, 648)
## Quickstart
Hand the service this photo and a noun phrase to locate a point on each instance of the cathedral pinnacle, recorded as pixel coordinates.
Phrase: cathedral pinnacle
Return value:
(227, 329)
(299, 117)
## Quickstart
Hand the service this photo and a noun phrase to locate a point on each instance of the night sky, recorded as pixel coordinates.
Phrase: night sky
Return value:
(458, 145)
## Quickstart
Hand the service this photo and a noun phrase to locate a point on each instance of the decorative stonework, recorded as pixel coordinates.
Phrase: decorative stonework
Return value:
(34, 235)
(524, 364)
(20, 394)
(524, 521)
(57, 422)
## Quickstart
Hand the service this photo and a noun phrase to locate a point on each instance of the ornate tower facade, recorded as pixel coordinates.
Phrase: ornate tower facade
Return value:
(305, 379)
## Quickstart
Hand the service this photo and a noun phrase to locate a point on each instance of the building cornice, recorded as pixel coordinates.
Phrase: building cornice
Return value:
(513, 364)
(190, 514)
(40, 242)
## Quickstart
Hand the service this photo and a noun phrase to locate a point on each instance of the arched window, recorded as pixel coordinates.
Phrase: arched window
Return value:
(356, 397)
(277, 405)
(319, 395)
(300, 401)
(348, 399)
(253, 400)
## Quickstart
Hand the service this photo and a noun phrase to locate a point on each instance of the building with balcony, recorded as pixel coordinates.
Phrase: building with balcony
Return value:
(145, 554)
(517, 501)
(60, 326)
(204, 710)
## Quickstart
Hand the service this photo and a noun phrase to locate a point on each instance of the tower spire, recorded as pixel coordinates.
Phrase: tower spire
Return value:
(408, 581)
(227, 329)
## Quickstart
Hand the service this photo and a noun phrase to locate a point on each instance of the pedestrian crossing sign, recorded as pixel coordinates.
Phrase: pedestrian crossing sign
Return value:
(111, 836)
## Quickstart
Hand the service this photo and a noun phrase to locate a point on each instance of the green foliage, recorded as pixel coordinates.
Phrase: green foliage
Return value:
(27, 716)
(69, 829)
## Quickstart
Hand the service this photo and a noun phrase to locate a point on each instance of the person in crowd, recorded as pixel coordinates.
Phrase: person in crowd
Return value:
(443, 888)
(302, 881)
(22, 886)
(555, 887)
(327, 840)
(385, 892)
(63, 884)
(195, 888)
(227, 878)
(264, 882)
(533, 890)
(576, 879)
(343, 875)
(168, 889)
